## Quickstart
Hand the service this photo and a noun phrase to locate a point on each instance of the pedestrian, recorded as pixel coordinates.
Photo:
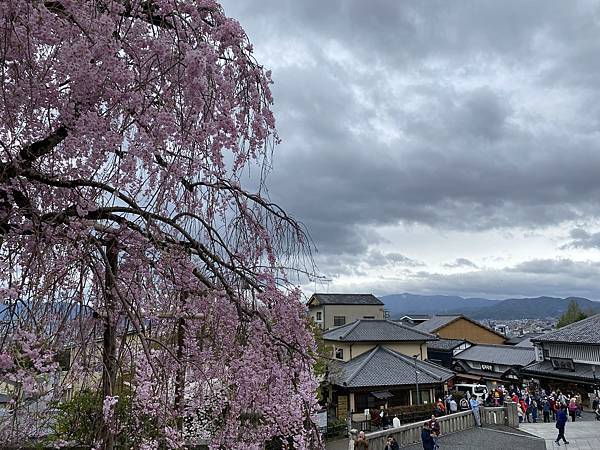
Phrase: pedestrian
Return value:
(572, 408)
(595, 403)
(453, 406)
(464, 404)
(434, 427)
(475, 410)
(520, 412)
(362, 443)
(440, 408)
(353, 438)
(391, 444)
(534, 411)
(561, 421)
(426, 439)
(547, 408)
(579, 405)
(396, 422)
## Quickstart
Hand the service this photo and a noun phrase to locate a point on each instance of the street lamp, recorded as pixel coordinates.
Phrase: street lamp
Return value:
(417, 380)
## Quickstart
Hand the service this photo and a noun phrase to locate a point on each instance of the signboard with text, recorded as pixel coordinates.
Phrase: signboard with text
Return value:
(562, 364)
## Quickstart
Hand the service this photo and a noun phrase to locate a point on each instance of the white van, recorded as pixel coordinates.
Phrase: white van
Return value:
(478, 390)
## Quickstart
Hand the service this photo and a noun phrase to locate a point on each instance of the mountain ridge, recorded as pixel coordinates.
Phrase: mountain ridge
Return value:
(482, 308)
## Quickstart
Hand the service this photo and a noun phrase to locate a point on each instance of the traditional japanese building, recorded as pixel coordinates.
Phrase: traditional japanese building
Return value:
(379, 363)
(492, 364)
(569, 358)
(360, 336)
(383, 377)
(457, 326)
(443, 351)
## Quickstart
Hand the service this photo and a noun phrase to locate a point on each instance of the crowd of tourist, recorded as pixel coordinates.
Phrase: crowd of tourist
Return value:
(532, 404)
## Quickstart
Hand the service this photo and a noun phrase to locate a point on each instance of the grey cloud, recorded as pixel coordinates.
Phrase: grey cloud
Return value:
(583, 239)
(418, 125)
(530, 278)
(461, 262)
(377, 258)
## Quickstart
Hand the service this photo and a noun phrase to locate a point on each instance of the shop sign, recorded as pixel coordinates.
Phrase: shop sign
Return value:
(562, 364)
(487, 367)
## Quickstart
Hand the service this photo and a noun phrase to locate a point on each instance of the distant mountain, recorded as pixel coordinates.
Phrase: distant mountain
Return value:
(533, 308)
(481, 308)
(400, 304)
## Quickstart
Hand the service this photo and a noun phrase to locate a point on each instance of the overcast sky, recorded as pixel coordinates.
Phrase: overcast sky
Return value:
(435, 146)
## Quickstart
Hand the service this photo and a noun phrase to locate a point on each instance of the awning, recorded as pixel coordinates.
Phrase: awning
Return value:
(382, 394)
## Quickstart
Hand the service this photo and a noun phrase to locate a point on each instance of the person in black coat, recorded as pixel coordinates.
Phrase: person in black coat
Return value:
(428, 443)
(391, 443)
(561, 421)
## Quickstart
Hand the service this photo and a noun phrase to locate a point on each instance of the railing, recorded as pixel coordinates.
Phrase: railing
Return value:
(411, 433)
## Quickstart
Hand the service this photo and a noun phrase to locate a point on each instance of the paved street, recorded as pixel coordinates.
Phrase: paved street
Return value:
(581, 434)
(498, 438)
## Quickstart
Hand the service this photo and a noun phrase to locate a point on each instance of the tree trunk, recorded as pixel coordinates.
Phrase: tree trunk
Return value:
(109, 363)
(180, 376)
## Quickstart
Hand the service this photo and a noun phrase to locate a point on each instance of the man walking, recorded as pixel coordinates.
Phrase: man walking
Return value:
(475, 410)
(453, 406)
(561, 421)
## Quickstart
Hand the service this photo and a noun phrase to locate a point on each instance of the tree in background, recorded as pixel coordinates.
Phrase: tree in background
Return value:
(127, 237)
(573, 314)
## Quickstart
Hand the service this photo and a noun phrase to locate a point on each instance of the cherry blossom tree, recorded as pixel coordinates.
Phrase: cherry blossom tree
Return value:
(134, 259)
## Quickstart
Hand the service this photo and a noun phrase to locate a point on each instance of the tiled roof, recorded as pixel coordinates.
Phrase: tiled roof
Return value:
(376, 330)
(435, 323)
(445, 344)
(586, 331)
(544, 368)
(384, 367)
(415, 316)
(516, 339)
(346, 299)
(508, 355)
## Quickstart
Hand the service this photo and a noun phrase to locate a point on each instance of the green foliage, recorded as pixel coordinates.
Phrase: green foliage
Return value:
(79, 421)
(573, 314)
(322, 356)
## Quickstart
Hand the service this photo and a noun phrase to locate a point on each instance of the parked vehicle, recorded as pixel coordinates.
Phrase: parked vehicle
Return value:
(478, 390)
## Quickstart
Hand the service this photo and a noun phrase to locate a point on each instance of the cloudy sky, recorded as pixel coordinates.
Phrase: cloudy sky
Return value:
(438, 147)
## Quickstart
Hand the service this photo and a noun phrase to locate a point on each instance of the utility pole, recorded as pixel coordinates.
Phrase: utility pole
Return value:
(417, 381)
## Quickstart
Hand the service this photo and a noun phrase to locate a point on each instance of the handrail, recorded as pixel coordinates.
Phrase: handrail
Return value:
(411, 433)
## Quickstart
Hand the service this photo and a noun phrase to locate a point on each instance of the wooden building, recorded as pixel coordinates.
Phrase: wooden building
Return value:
(569, 358)
(460, 327)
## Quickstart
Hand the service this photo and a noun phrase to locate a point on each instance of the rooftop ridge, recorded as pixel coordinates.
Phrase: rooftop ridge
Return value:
(350, 329)
(420, 362)
(404, 327)
(362, 364)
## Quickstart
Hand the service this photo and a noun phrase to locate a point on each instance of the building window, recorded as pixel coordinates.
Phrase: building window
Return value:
(368, 317)
(338, 321)
(319, 316)
(339, 353)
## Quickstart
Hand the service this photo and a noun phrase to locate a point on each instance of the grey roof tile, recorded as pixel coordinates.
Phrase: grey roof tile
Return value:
(384, 367)
(584, 371)
(586, 331)
(365, 330)
(346, 299)
(508, 355)
(435, 323)
(445, 344)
